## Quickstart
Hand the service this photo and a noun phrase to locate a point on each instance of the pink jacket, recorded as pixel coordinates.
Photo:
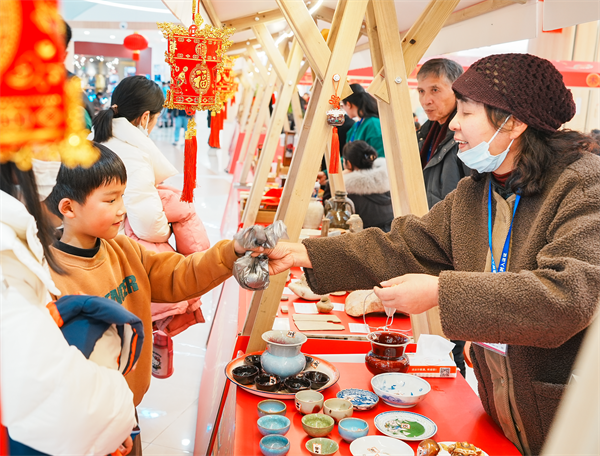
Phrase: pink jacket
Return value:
(190, 236)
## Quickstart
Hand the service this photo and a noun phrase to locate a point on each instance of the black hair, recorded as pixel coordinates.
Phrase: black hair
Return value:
(68, 34)
(366, 104)
(538, 150)
(79, 182)
(10, 178)
(441, 68)
(133, 97)
(360, 154)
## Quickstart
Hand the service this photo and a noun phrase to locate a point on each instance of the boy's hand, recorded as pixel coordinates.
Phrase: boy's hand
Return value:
(126, 447)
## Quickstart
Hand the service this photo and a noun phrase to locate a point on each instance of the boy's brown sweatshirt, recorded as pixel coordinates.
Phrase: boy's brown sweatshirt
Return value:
(126, 272)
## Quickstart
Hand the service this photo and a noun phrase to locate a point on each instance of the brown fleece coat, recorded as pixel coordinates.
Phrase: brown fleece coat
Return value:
(126, 272)
(540, 307)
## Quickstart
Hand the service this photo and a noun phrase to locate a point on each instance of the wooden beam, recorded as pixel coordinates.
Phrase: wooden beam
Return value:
(212, 14)
(272, 137)
(478, 9)
(248, 93)
(308, 155)
(407, 152)
(261, 119)
(246, 22)
(242, 45)
(303, 69)
(268, 44)
(326, 14)
(264, 73)
(258, 96)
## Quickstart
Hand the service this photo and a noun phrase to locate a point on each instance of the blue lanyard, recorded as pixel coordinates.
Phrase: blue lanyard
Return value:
(505, 250)
(358, 124)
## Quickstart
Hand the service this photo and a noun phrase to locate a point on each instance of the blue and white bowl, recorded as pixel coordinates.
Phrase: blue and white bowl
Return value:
(361, 399)
(400, 390)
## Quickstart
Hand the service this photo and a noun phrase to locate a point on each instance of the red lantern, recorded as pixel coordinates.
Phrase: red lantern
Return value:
(135, 43)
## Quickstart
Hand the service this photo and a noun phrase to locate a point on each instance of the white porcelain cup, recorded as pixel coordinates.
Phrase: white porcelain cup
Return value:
(308, 401)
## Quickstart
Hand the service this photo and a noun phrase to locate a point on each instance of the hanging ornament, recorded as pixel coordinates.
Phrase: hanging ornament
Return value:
(136, 43)
(335, 118)
(195, 56)
(41, 115)
(224, 87)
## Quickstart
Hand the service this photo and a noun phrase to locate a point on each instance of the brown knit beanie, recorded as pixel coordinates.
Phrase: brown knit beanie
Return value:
(524, 85)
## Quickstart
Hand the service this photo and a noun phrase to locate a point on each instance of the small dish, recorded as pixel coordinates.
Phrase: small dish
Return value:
(400, 390)
(296, 384)
(245, 374)
(338, 409)
(361, 399)
(317, 379)
(253, 360)
(308, 401)
(405, 425)
(273, 424)
(382, 445)
(325, 446)
(266, 382)
(271, 407)
(444, 449)
(317, 424)
(352, 428)
(274, 445)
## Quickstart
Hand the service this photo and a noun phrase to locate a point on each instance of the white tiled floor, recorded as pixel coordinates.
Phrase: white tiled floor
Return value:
(168, 412)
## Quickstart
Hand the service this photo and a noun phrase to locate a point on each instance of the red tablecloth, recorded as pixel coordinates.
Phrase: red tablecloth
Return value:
(452, 405)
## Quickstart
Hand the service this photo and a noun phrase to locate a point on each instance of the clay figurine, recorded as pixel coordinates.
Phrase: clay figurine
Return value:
(325, 305)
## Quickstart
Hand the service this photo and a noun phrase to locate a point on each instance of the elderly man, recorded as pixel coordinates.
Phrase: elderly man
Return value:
(442, 168)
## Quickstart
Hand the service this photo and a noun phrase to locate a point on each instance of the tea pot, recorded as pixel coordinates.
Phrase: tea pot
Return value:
(338, 210)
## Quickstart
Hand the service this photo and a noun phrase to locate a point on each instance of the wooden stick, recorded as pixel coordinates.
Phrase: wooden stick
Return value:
(272, 137)
(212, 14)
(251, 121)
(264, 73)
(307, 158)
(268, 44)
(246, 22)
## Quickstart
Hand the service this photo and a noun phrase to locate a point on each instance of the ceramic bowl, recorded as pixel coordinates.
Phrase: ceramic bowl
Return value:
(245, 374)
(400, 390)
(361, 399)
(317, 379)
(338, 409)
(253, 360)
(274, 445)
(309, 361)
(327, 446)
(351, 429)
(297, 383)
(266, 382)
(317, 424)
(273, 424)
(271, 407)
(308, 401)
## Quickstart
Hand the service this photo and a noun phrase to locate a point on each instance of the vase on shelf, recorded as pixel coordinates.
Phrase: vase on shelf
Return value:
(338, 210)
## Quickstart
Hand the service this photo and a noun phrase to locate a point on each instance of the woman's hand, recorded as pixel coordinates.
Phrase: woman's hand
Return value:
(286, 255)
(410, 293)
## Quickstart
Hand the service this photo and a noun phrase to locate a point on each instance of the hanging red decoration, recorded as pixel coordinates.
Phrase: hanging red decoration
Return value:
(135, 43)
(195, 56)
(335, 117)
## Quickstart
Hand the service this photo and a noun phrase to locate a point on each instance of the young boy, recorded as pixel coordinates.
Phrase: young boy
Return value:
(98, 262)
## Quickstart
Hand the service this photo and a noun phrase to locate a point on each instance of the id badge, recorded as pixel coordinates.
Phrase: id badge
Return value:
(496, 348)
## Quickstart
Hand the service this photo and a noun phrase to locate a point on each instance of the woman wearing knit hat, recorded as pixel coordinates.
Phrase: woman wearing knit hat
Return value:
(511, 257)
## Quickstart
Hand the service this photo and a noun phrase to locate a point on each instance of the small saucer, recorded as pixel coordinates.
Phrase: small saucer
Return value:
(361, 399)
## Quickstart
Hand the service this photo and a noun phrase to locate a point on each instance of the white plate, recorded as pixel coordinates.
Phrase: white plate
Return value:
(444, 452)
(405, 425)
(371, 444)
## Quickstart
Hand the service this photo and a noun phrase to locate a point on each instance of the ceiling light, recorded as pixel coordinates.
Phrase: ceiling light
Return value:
(91, 60)
(76, 57)
(86, 32)
(137, 8)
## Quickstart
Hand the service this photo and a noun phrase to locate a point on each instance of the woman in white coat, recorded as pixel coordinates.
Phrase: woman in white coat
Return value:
(53, 399)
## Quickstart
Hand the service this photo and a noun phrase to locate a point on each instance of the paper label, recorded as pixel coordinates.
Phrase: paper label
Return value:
(339, 306)
(281, 323)
(359, 328)
(305, 308)
(497, 348)
(316, 448)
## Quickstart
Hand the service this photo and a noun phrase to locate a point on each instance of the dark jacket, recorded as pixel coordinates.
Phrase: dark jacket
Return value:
(540, 307)
(444, 170)
(369, 190)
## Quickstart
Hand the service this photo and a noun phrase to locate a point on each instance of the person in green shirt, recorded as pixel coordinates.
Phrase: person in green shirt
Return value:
(367, 128)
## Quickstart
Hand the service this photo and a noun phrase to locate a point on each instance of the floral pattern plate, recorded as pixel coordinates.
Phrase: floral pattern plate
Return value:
(361, 399)
(318, 364)
(405, 425)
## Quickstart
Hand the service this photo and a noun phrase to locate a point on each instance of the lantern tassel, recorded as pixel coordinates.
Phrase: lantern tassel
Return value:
(189, 162)
(334, 158)
(213, 139)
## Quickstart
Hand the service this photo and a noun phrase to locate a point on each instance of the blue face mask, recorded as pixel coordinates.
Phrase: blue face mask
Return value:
(479, 157)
